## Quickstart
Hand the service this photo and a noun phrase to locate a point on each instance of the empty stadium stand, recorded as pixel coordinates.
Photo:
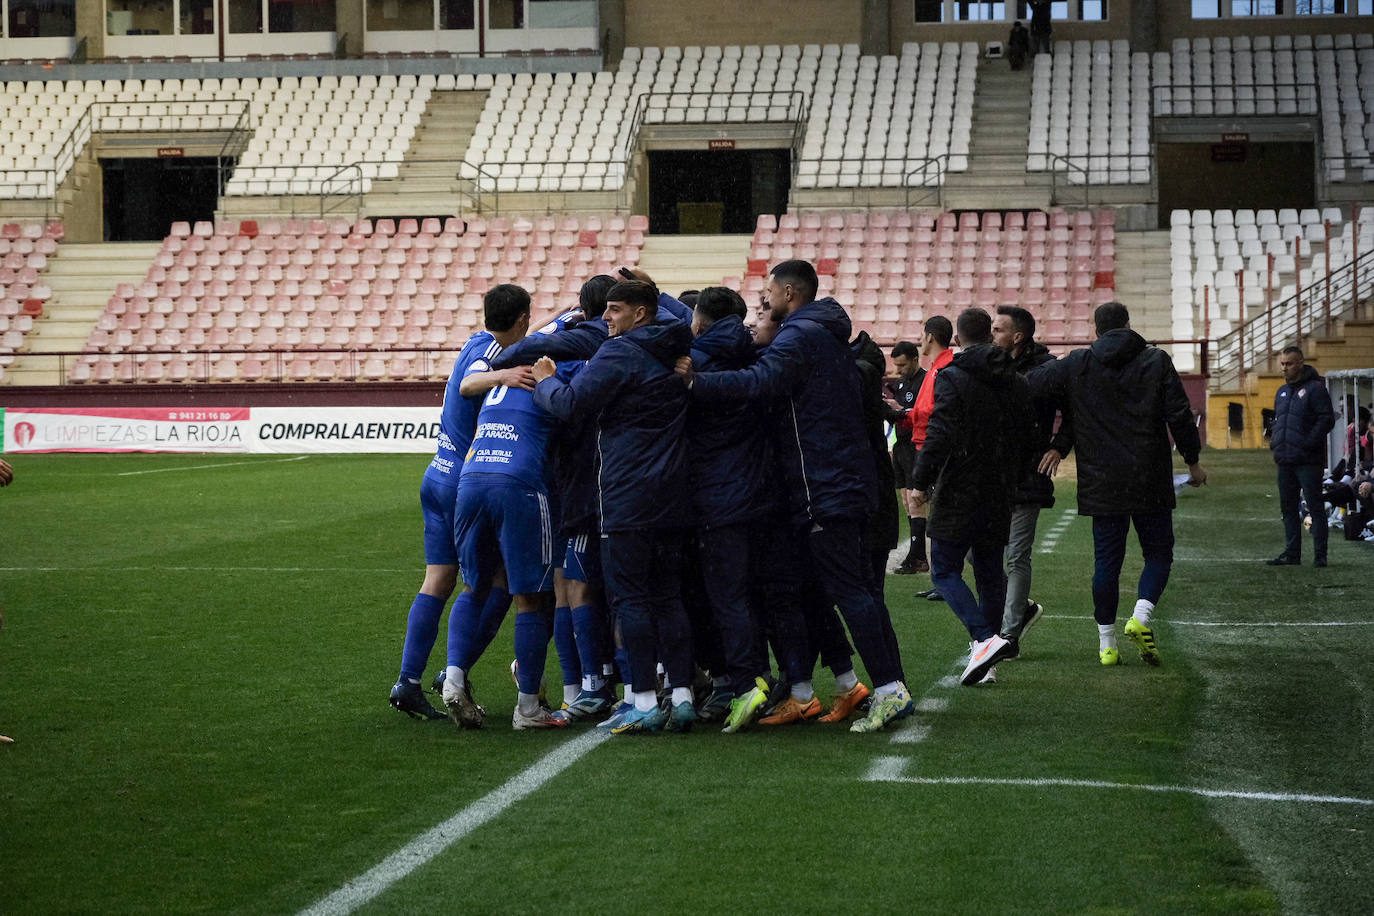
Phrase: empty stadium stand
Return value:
(1092, 103)
(893, 268)
(24, 252)
(296, 300)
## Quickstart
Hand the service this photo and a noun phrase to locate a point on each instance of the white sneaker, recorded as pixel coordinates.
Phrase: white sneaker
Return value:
(983, 656)
(462, 711)
(544, 718)
(990, 677)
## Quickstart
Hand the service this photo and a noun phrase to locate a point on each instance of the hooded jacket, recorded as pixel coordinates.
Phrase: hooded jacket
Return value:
(809, 372)
(1302, 418)
(883, 532)
(639, 408)
(1124, 397)
(1036, 488)
(979, 446)
(728, 442)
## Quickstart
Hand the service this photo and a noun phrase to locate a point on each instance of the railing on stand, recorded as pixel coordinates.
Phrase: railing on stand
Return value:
(1331, 297)
(928, 187)
(341, 189)
(423, 364)
(1073, 178)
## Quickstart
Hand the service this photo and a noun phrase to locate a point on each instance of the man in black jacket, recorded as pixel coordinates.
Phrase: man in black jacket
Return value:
(730, 492)
(1014, 331)
(809, 370)
(643, 490)
(906, 359)
(978, 446)
(1125, 399)
(1302, 419)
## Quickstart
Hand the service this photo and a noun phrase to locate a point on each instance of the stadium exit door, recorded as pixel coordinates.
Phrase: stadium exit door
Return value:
(711, 192)
(144, 196)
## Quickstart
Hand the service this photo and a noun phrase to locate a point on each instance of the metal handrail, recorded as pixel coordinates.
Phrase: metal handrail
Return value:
(352, 189)
(1332, 297)
(278, 358)
(1081, 169)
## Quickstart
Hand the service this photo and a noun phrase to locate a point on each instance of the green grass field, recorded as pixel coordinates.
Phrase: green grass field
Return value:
(197, 653)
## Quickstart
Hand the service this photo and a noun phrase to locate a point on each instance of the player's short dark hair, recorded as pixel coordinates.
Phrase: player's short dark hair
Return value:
(1110, 316)
(975, 327)
(906, 348)
(1021, 319)
(591, 298)
(634, 293)
(503, 305)
(689, 297)
(938, 326)
(717, 302)
(800, 275)
(1293, 348)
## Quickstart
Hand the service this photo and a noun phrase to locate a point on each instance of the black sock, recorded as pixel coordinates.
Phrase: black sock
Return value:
(918, 537)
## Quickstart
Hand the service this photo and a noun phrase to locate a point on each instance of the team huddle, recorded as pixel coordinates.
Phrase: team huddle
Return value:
(680, 501)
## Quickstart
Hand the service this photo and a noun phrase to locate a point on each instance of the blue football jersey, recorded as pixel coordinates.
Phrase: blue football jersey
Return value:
(512, 438)
(459, 417)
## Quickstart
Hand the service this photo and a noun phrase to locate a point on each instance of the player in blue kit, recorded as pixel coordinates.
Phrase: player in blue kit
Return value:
(503, 518)
(438, 495)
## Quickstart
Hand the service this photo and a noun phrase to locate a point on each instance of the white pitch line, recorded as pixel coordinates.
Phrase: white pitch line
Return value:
(202, 467)
(932, 704)
(912, 734)
(1239, 623)
(421, 850)
(947, 681)
(891, 769)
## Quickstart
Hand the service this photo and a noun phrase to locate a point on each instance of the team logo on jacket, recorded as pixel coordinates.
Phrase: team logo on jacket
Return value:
(1302, 392)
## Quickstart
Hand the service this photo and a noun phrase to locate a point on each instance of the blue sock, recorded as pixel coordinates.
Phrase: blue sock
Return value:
(531, 649)
(622, 664)
(586, 621)
(463, 644)
(490, 618)
(566, 644)
(422, 628)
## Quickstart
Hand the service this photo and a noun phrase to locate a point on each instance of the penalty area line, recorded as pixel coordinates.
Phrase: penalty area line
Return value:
(203, 467)
(892, 769)
(425, 847)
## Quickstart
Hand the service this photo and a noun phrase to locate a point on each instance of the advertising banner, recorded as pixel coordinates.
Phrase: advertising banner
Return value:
(224, 430)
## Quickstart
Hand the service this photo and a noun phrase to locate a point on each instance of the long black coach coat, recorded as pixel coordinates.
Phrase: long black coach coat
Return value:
(980, 444)
(1125, 398)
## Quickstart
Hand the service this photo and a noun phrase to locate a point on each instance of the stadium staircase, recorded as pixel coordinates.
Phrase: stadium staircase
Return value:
(1142, 285)
(427, 183)
(997, 175)
(82, 280)
(681, 262)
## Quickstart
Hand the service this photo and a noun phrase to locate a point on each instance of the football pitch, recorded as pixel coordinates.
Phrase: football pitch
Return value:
(197, 652)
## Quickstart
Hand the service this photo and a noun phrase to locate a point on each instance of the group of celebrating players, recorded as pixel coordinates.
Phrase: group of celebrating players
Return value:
(671, 495)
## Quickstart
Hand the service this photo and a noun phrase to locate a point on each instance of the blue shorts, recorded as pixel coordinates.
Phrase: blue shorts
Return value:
(582, 559)
(500, 520)
(437, 501)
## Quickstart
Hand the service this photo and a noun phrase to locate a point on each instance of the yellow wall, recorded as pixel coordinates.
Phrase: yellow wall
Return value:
(1260, 397)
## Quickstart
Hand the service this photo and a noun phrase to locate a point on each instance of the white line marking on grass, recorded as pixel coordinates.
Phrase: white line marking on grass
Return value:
(1241, 623)
(912, 734)
(202, 467)
(421, 850)
(892, 769)
(948, 680)
(932, 704)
